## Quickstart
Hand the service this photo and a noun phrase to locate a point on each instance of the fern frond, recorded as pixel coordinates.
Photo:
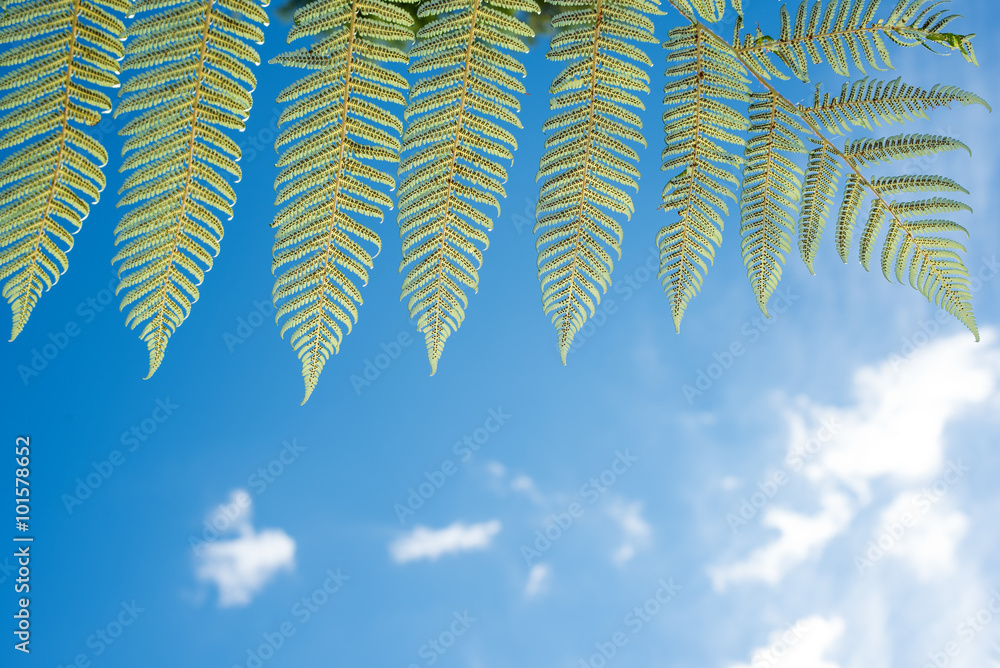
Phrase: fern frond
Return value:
(452, 144)
(710, 10)
(65, 50)
(177, 158)
(771, 191)
(822, 177)
(585, 166)
(705, 80)
(912, 244)
(866, 103)
(840, 32)
(336, 126)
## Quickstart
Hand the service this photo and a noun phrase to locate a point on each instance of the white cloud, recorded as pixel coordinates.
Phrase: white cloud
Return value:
(241, 561)
(424, 543)
(538, 580)
(928, 540)
(802, 537)
(636, 530)
(802, 645)
(893, 433)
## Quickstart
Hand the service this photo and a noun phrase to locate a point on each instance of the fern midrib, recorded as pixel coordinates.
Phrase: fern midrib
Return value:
(914, 241)
(314, 369)
(443, 233)
(566, 327)
(776, 45)
(185, 194)
(43, 225)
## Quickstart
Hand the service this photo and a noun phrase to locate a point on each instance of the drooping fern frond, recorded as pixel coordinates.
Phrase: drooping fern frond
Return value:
(819, 190)
(337, 125)
(452, 146)
(912, 244)
(839, 32)
(586, 163)
(771, 191)
(867, 102)
(65, 50)
(194, 85)
(706, 82)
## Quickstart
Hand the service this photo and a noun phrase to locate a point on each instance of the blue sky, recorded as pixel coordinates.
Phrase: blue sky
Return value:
(849, 413)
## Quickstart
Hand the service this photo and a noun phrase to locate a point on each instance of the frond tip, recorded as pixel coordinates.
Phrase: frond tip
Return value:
(586, 167)
(178, 160)
(67, 49)
(335, 125)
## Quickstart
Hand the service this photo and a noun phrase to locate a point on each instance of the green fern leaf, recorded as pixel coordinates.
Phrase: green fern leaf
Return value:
(841, 32)
(710, 10)
(771, 191)
(65, 49)
(705, 79)
(452, 144)
(822, 177)
(175, 153)
(336, 125)
(866, 103)
(585, 166)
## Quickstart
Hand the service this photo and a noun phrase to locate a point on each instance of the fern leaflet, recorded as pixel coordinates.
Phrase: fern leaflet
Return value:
(771, 191)
(191, 52)
(336, 127)
(452, 144)
(585, 163)
(705, 77)
(66, 49)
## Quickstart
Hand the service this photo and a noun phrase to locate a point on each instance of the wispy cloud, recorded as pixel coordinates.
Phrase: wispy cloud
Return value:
(892, 434)
(636, 530)
(424, 543)
(242, 560)
(538, 580)
(804, 644)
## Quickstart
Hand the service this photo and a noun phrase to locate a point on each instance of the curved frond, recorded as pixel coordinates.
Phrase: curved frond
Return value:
(840, 32)
(706, 82)
(822, 177)
(65, 50)
(586, 166)
(335, 127)
(710, 10)
(868, 102)
(452, 146)
(771, 191)
(179, 161)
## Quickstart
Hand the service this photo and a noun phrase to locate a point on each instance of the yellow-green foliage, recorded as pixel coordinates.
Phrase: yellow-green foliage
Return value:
(453, 144)
(192, 87)
(61, 52)
(337, 123)
(588, 157)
